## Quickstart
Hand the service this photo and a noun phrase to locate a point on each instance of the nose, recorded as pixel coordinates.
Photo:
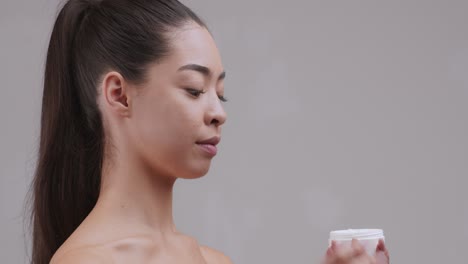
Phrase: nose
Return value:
(215, 114)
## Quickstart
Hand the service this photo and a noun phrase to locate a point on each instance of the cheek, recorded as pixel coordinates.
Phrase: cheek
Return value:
(168, 130)
(159, 126)
(179, 122)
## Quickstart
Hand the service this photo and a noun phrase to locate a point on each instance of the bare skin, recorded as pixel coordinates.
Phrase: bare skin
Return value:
(356, 254)
(155, 129)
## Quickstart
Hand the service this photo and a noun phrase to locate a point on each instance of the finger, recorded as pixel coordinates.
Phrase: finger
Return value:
(381, 245)
(381, 258)
(333, 245)
(382, 248)
(329, 252)
(346, 254)
(357, 246)
(362, 259)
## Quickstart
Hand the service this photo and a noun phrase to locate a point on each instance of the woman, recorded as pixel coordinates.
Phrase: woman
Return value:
(133, 94)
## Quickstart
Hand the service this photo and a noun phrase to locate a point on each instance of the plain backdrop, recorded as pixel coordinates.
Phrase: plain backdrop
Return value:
(342, 114)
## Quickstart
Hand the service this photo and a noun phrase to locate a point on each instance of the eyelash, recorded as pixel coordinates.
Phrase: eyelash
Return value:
(196, 93)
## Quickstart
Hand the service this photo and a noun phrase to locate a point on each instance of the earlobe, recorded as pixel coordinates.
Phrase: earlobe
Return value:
(114, 90)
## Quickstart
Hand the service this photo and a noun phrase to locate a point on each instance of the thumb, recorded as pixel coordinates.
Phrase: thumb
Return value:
(381, 254)
(382, 258)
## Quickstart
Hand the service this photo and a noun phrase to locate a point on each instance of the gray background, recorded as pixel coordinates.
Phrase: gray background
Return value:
(342, 114)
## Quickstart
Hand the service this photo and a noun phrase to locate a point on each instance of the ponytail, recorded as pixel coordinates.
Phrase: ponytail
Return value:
(67, 178)
(89, 38)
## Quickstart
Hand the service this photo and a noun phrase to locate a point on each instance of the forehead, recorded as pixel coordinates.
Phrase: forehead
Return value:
(193, 44)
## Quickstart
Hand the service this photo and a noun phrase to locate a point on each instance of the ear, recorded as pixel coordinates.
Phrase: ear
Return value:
(116, 94)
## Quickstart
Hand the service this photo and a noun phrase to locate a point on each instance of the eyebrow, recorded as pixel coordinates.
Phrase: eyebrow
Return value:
(201, 69)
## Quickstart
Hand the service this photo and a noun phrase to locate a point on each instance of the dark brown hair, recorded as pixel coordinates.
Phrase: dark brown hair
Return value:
(89, 38)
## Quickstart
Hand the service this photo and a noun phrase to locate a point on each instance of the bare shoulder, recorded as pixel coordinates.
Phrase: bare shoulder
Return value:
(213, 256)
(81, 256)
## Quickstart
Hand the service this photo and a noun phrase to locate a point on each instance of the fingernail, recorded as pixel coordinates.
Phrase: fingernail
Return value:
(333, 244)
(381, 245)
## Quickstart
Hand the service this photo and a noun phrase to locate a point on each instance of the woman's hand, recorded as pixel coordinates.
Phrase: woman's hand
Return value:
(355, 254)
(381, 254)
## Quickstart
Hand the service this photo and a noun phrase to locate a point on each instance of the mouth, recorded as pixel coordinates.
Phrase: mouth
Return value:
(210, 141)
(209, 145)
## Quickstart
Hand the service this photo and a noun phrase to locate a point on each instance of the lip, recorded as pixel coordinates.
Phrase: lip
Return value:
(209, 145)
(211, 141)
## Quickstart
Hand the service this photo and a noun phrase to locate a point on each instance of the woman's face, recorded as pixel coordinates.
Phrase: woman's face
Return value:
(176, 117)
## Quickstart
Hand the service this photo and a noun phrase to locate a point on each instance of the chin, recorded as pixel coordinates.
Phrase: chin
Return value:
(195, 172)
(196, 175)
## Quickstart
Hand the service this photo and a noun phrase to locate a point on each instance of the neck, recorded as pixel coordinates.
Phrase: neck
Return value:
(131, 194)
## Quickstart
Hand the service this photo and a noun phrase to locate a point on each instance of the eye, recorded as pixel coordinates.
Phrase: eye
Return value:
(222, 98)
(194, 92)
